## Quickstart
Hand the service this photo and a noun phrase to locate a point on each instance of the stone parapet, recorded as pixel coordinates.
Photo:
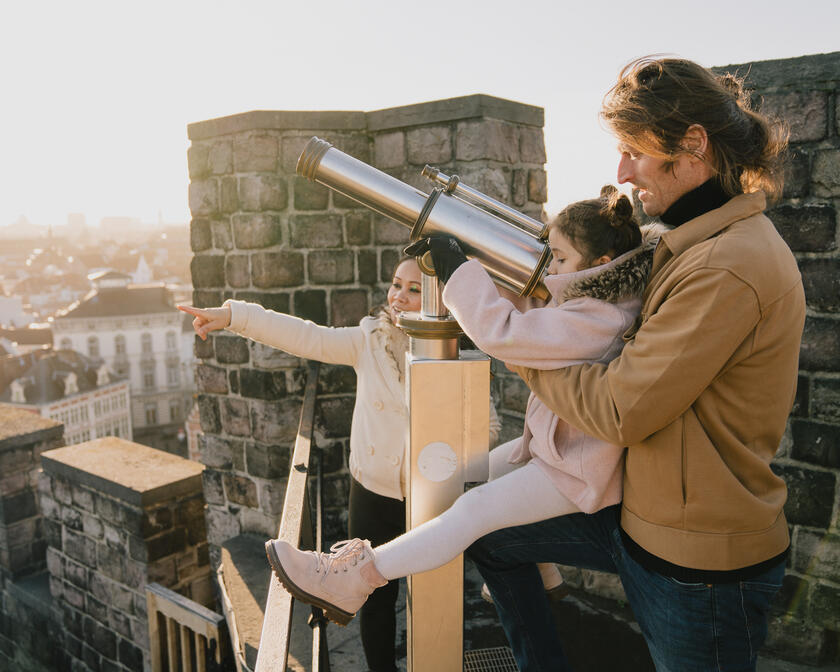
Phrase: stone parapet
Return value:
(120, 515)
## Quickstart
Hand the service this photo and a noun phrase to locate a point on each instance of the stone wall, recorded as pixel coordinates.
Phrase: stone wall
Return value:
(260, 233)
(120, 515)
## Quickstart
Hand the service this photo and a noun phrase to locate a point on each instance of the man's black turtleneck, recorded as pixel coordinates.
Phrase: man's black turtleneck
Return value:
(708, 196)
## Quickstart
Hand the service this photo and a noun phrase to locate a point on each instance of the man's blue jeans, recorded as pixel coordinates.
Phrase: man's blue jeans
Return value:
(689, 627)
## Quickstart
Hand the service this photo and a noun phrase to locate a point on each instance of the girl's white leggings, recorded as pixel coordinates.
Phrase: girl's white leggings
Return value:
(515, 495)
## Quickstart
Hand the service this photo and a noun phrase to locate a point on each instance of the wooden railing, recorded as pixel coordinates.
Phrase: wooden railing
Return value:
(296, 528)
(183, 635)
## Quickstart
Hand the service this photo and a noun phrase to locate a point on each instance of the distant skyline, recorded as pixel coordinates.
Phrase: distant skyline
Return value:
(97, 95)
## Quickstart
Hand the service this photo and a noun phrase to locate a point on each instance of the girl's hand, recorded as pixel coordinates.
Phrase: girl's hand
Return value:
(208, 319)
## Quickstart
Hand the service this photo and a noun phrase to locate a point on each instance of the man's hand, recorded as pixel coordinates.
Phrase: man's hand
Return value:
(447, 254)
(208, 319)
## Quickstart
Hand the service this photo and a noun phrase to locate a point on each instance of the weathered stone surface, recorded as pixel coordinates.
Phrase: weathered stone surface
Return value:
(537, 186)
(18, 506)
(271, 497)
(531, 145)
(264, 460)
(825, 175)
(208, 410)
(311, 305)
(211, 379)
(430, 144)
(820, 344)
(355, 144)
(349, 306)
(310, 195)
(200, 235)
(255, 153)
(220, 157)
(79, 547)
(275, 421)
(388, 232)
(825, 404)
(366, 262)
(291, 148)
(277, 269)
(807, 228)
(208, 271)
(258, 384)
(515, 393)
(805, 111)
(357, 227)
(387, 266)
(204, 197)
(797, 174)
(817, 554)
(256, 230)
(332, 416)
(222, 234)
(278, 301)
(491, 181)
(228, 194)
(330, 266)
(316, 231)
(519, 187)
(800, 402)
(487, 139)
(389, 150)
(197, 160)
(234, 416)
(825, 605)
(238, 270)
(216, 451)
(821, 279)
(817, 443)
(221, 525)
(263, 192)
(231, 349)
(212, 484)
(811, 495)
(266, 357)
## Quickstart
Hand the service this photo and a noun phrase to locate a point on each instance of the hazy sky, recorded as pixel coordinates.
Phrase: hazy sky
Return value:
(96, 96)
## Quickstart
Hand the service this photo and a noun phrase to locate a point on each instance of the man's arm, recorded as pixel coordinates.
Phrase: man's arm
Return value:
(675, 355)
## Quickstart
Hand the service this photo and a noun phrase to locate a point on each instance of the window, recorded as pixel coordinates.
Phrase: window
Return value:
(146, 344)
(149, 378)
(66, 344)
(171, 343)
(172, 375)
(119, 344)
(174, 410)
(151, 414)
(93, 346)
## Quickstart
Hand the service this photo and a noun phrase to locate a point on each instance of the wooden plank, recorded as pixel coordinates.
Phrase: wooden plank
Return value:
(277, 622)
(172, 645)
(154, 633)
(186, 658)
(186, 612)
(200, 656)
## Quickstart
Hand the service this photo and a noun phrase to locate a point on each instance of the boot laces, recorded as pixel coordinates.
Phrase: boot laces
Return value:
(342, 554)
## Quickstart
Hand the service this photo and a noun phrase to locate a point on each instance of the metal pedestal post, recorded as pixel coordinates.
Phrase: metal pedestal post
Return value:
(448, 400)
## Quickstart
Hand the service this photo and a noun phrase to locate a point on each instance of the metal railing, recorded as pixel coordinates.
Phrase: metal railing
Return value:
(184, 636)
(296, 528)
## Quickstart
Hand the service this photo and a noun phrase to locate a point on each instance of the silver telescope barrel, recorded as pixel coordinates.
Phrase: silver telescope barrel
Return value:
(514, 258)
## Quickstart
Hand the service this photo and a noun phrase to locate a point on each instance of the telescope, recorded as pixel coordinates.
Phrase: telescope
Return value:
(509, 245)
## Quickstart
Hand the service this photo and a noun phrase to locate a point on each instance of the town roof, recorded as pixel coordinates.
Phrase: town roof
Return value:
(122, 301)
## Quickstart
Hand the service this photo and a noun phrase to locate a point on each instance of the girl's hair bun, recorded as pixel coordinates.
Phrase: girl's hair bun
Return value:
(617, 207)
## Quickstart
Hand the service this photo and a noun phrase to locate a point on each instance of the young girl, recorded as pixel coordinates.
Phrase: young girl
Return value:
(376, 350)
(596, 277)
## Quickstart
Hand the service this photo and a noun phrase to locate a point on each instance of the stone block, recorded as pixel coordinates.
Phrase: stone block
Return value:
(205, 298)
(330, 266)
(197, 160)
(311, 305)
(200, 236)
(220, 157)
(817, 443)
(262, 192)
(231, 349)
(62, 491)
(357, 227)
(487, 139)
(515, 393)
(71, 518)
(76, 574)
(519, 187)
(388, 264)
(332, 416)
(811, 495)
(204, 197)
(277, 301)
(792, 599)
(255, 153)
(49, 507)
(797, 174)
(537, 186)
(130, 656)
(825, 606)
(821, 280)
(17, 507)
(291, 148)
(222, 234)
(366, 261)
(221, 525)
(208, 412)
(271, 497)
(825, 176)
(238, 270)
(228, 195)
(349, 306)
(816, 554)
(356, 145)
(531, 145)
(429, 144)
(277, 269)
(263, 460)
(342, 202)
(234, 416)
(388, 232)
(92, 526)
(156, 520)
(795, 639)
(79, 547)
(165, 544)
(389, 150)
(825, 404)
(119, 623)
(309, 231)
(820, 349)
(806, 112)
(257, 522)
(256, 230)
(208, 271)
(212, 485)
(806, 228)
(275, 421)
(257, 384)
(800, 401)
(211, 379)
(492, 181)
(336, 491)
(310, 195)
(266, 357)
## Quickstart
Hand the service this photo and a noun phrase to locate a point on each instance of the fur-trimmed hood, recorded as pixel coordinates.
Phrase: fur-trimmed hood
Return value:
(622, 278)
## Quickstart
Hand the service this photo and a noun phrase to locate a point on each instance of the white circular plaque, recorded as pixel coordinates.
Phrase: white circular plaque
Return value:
(437, 461)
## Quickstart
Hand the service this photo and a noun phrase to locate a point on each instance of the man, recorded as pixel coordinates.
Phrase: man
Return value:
(700, 394)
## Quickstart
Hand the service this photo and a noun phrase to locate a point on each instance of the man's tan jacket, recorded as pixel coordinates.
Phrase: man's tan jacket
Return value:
(701, 392)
